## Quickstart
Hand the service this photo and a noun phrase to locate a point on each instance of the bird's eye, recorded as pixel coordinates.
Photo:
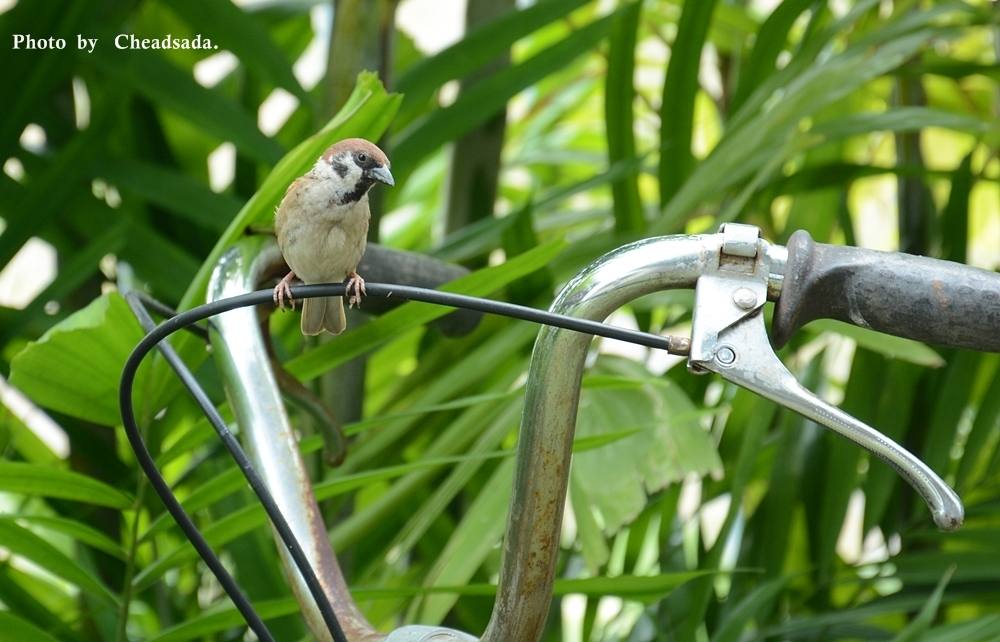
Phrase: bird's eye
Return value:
(362, 157)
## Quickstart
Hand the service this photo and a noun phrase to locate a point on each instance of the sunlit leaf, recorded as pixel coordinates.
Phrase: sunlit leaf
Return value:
(22, 542)
(767, 123)
(77, 530)
(239, 32)
(768, 44)
(666, 445)
(679, 89)
(47, 481)
(476, 49)
(226, 616)
(884, 344)
(469, 544)
(902, 119)
(619, 96)
(485, 98)
(75, 367)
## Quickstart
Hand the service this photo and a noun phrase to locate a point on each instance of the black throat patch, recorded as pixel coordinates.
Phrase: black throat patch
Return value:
(362, 187)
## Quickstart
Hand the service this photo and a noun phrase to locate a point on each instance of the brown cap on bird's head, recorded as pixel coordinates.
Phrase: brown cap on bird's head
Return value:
(352, 145)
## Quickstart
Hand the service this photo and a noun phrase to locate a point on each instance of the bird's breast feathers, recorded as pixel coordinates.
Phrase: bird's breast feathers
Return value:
(321, 242)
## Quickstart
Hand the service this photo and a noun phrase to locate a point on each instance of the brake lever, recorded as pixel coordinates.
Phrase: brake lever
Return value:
(729, 338)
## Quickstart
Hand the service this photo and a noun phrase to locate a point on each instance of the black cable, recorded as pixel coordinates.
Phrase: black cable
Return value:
(170, 502)
(164, 310)
(187, 319)
(674, 345)
(256, 483)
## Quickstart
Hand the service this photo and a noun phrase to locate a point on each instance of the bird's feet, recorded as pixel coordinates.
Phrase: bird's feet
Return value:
(355, 282)
(283, 291)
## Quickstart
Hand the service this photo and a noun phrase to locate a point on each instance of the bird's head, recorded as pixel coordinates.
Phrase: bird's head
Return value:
(354, 165)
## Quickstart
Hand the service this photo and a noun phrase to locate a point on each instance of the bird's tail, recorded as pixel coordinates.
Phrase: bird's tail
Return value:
(326, 313)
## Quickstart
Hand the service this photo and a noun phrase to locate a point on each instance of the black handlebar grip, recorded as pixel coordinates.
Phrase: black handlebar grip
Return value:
(908, 296)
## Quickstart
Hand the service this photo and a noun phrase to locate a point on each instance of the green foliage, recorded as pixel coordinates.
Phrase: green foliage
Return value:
(695, 510)
(667, 444)
(23, 543)
(75, 366)
(619, 96)
(678, 102)
(15, 628)
(47, 481)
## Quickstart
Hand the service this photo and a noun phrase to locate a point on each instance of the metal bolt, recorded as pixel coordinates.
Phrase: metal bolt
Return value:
(725, 355)
(744, 298)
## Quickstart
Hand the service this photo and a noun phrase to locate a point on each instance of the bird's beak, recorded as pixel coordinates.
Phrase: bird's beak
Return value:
(382, 175)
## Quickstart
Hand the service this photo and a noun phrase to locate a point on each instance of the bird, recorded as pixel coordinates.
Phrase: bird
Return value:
(322, 226)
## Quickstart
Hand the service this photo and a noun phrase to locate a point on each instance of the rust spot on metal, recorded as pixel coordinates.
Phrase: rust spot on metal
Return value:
(940, 295)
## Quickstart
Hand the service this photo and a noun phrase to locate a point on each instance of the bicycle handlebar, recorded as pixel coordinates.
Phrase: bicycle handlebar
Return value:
(916, 297)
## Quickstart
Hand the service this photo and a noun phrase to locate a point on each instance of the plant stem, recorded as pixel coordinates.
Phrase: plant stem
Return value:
(122, 635)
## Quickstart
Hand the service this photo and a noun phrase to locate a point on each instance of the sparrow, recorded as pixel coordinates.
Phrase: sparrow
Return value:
(322, 226)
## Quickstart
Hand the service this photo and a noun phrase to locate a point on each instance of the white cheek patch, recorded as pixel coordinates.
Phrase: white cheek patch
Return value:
(339, 182)
(341, 168)
(353, 174)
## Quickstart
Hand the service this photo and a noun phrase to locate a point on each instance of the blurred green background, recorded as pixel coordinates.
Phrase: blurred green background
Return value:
(527, 139)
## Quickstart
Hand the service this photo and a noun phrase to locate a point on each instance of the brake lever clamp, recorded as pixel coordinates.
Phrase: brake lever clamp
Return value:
(728, 337)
